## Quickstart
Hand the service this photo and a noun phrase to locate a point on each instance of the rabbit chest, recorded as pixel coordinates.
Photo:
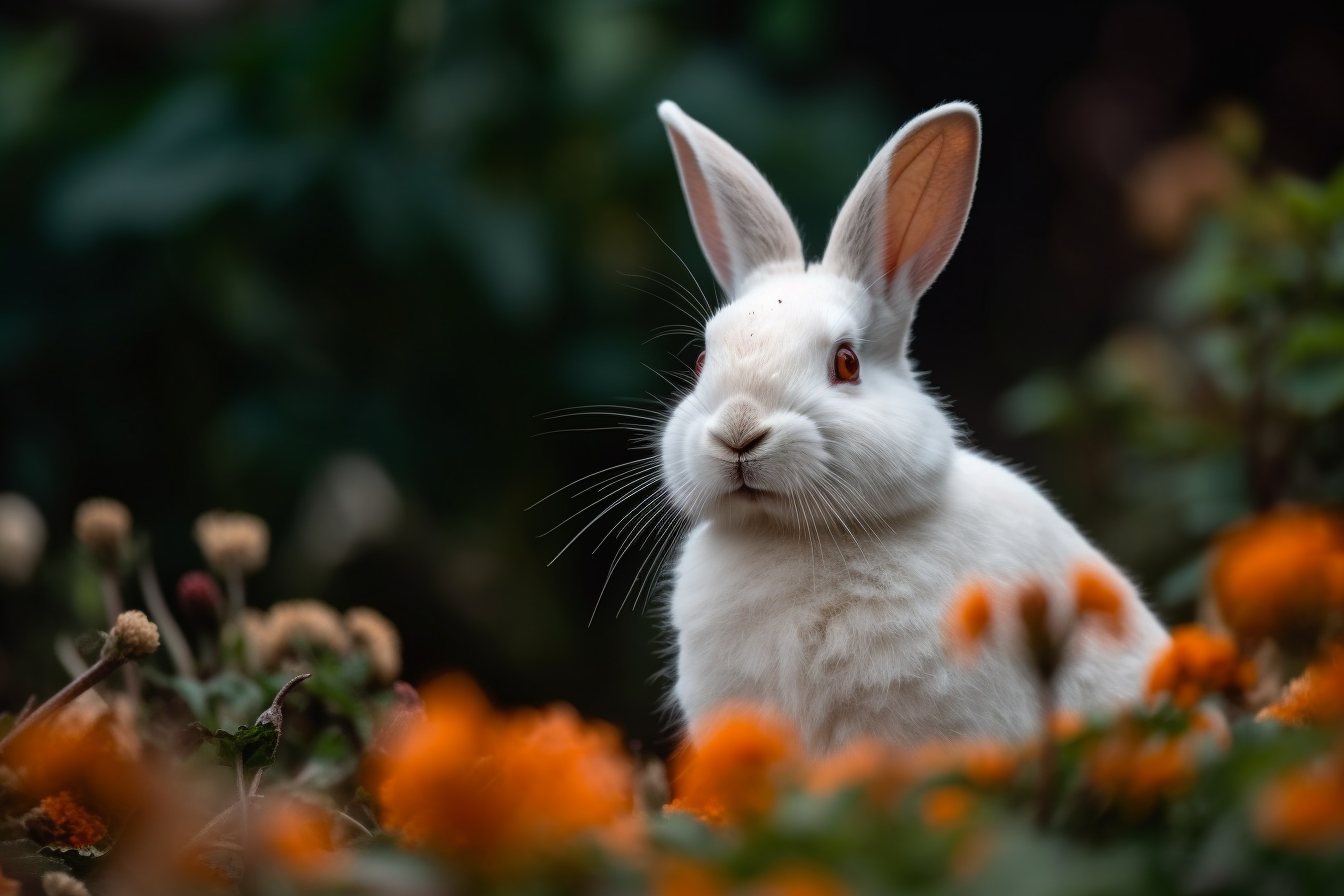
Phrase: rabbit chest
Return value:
(844, 637)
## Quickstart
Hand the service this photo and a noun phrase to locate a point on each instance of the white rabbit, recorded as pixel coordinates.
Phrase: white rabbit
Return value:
(835, 514)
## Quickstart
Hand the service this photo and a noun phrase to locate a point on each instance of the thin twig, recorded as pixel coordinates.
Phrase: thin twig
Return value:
(179, 650)
(273, 715)
(111, 589)
(28, 707)
(114, 605)
(68, 656)
(243, 799)
(233, 585)
(1045, 784)
(96, 673)
(364, 830)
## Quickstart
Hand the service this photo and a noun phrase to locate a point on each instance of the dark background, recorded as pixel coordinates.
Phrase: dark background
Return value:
(239, 241)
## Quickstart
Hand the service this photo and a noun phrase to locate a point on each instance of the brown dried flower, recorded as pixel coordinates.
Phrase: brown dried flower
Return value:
(103, 525)
(311, 622)
(233, 542)
(133, 635)
(376, 637)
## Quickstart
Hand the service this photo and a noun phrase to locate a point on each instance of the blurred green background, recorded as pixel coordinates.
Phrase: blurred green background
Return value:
(330, 262)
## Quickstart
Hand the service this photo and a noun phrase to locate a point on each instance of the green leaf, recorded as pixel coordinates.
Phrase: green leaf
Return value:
(24, 858)
(255, 745)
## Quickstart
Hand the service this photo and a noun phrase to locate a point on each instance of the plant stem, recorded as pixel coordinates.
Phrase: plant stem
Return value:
(96, 673)
(114, 605)
(1045, 782)
(243, 800)
(233, 585)
(68, 656)
(173, 639)
(111, 589)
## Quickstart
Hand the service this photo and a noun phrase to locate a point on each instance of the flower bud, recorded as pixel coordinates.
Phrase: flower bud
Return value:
(233, 542)
(23, 535)
(133, 636)
(103, 526)
(200, 598)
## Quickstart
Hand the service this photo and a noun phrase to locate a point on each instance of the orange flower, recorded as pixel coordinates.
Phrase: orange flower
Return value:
(298, 835)
(1098, 595)
(730, 770)
(1137, 771)
(795, 880)
(683, 877)
(1316, 697)
(65, 823)
(969, 618)
(1195, 663)
(1281, 576)
(82, 752)
(989, 763)
(946, 807)
(1303, 808)
(488, 787)
(880, 770)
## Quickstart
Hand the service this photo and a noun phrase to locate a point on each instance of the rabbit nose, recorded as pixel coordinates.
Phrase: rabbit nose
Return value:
(738, 426)
(740, 443)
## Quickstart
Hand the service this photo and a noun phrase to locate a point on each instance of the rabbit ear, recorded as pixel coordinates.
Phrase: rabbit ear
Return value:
(898, 228)
(740, 221)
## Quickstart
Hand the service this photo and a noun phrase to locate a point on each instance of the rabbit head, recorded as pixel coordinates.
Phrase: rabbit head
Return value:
(806, 411)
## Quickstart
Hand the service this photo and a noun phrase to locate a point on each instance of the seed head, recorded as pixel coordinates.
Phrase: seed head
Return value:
(103, 525)
(133, 635)
(23, 535)
(233, 542)
(376, 637)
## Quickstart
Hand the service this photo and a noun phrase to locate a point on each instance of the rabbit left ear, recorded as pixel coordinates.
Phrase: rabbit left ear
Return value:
(739, 219)
(899, 226)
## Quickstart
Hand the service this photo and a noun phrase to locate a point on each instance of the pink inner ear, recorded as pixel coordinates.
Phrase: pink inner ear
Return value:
(912, 199)
(705, 216)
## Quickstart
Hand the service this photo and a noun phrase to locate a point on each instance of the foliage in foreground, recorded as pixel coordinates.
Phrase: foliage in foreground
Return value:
(281, 755)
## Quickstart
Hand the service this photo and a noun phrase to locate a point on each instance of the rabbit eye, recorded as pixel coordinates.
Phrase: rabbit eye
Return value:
(846, 365)
(699, 363)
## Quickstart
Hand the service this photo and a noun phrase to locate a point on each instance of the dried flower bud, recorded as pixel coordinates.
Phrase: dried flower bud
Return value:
(233, 542)
(23, 535)
(376, 637)
(1033, 605)
(200, 598)
(297, 625)
(133, 635)
(103, 525)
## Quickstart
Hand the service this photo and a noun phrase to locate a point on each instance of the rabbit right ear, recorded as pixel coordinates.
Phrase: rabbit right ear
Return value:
(740, 221)
(898, 228)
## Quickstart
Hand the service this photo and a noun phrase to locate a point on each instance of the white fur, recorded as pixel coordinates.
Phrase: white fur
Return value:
(837, 522)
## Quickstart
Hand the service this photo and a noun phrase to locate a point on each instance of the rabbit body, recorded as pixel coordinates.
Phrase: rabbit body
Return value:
(837, 514)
